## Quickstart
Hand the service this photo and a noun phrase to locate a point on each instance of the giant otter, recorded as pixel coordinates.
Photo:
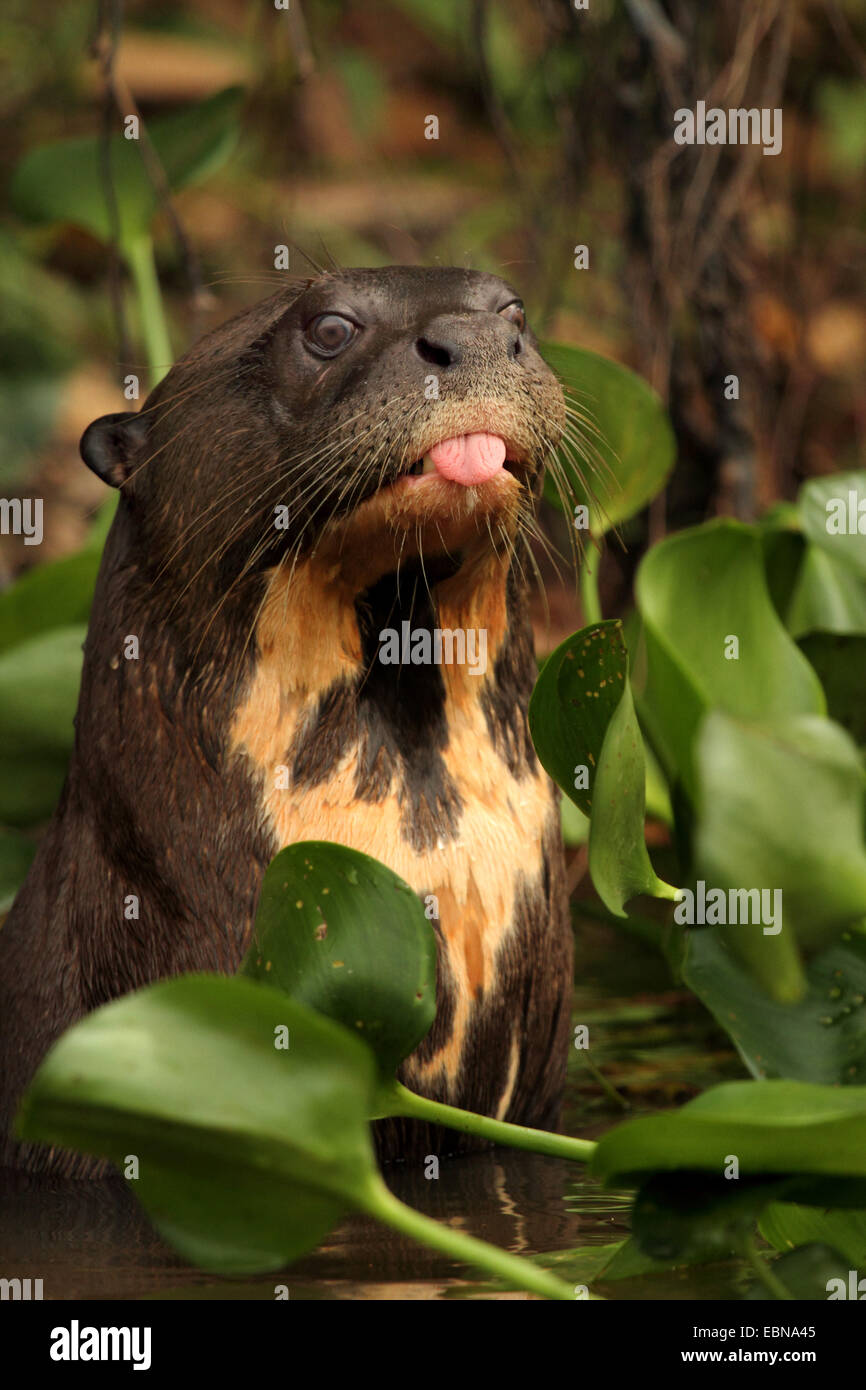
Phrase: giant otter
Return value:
(359, 451)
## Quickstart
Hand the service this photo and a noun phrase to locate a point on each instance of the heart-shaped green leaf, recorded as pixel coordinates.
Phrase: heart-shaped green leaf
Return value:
(771, 1127)
(58, 594)
(574, 700)
(63, 182)
(820, 1038)
(246, 1112)
(787, 1224)
(340, 932)
(574, 824)
(780, 808)
(625, 1260)
(245, 1115)
(806, 1273)
(622, 443)
(618, 858)
(584, 728)
(833, 517)
(827, 596)
(39, 682)
(714, 640)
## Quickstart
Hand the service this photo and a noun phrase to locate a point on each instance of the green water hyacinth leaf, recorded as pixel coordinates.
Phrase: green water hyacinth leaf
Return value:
(827, 596)
(248, 1152)
(58, 594)
(805, 1273)
(787, 1224)
(594, 1264)
(574, 700)
(820, 1038)
(696, 591)
(773, 1128)
(247, 1113)
(574, 824)
(626, 1262)
(63, 182)
(780, 808)
(340, 932)
(833, 517)
(39, 682)
(628, 443)
(618, 858)
(585, 731)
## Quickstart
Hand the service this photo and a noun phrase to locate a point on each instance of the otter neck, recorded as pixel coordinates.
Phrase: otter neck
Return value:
(323, 708)
(315, 632)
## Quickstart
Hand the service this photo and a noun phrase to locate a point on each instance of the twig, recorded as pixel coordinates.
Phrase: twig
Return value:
(299, 39)
(104, 48)
(124, 103)
(650, 20)
(730, 198)
(501, 128)
(845, 35)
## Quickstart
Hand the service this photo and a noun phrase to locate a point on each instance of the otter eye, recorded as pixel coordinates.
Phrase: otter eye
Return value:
(329, 334)
(515, 314)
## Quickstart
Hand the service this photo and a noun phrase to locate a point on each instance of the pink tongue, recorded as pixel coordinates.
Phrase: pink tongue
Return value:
(469, 458)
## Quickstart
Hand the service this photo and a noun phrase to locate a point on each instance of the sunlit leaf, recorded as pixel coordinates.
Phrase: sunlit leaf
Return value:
(714, 640)
(248, 1152)
(773, 1127)
(833, 513)
(64, 181)
(627, 445)
(584, 728)
(341, 933)
(780, 809)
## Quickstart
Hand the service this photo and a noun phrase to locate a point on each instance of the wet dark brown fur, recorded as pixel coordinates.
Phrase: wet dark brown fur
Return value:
(258, 649)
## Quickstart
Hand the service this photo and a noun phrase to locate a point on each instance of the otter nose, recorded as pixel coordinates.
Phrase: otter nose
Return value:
(446, 340)
(441, 349)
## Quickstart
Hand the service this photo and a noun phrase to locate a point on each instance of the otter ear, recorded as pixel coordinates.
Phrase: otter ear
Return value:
(110, 444)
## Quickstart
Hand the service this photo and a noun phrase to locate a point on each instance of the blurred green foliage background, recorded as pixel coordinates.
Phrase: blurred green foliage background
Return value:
(555, 129)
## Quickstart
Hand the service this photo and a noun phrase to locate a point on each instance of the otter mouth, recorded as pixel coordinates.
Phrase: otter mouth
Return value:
(466, 459)
(458, 498)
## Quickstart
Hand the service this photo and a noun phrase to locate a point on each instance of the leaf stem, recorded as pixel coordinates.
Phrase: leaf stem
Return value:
(771, 1282)
(589, 597)
(151, 315)
(609, 1089)
(517, 1273)
(400, 1101)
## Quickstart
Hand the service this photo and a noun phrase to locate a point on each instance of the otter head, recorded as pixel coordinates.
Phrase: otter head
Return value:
(366, 417)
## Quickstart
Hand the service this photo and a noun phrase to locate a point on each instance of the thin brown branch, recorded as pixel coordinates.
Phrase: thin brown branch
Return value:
(104, 48)
(121, 98)
(845, 34)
